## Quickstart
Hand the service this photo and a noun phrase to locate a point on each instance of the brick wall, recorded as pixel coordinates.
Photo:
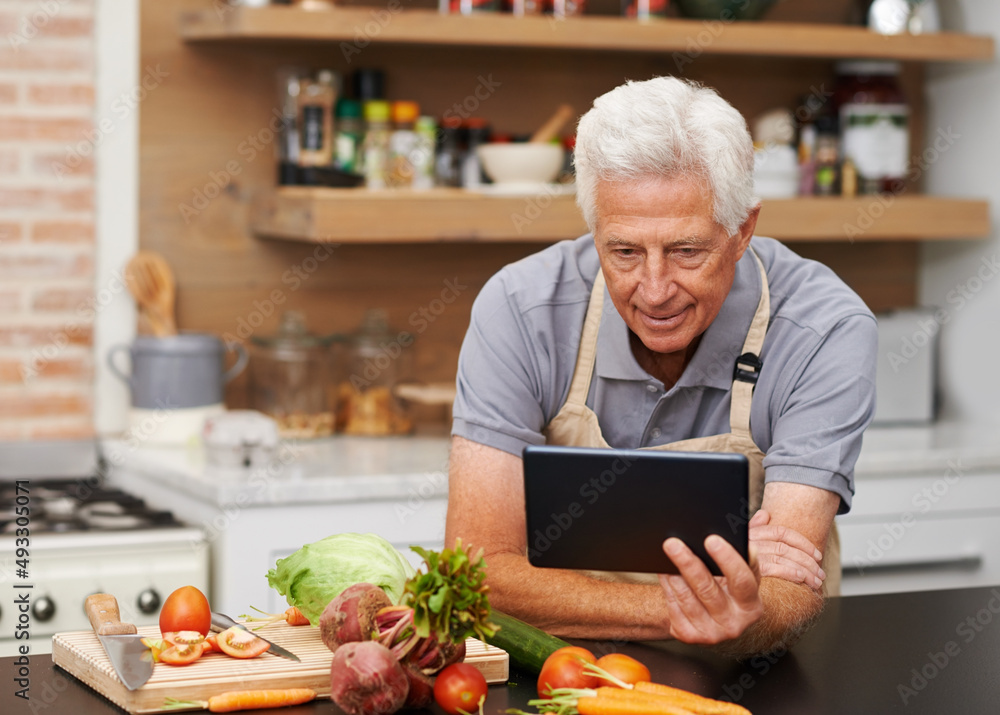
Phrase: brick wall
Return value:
(47, 241)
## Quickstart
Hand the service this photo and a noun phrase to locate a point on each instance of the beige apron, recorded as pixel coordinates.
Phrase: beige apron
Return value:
(577, 425)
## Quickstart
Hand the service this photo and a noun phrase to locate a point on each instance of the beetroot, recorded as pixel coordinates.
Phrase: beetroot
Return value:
(421, 693)
(350, 617)
(366, 679)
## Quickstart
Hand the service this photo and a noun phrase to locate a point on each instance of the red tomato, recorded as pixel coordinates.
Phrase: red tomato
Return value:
(186, 609)
(210, 644)
(623, 667)
(564, 669)
(460, 688)
(184, 637)
(240, 643)
(181, 654)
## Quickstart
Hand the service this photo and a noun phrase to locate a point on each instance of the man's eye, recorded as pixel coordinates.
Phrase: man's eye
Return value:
(625, 252)
(687, 252)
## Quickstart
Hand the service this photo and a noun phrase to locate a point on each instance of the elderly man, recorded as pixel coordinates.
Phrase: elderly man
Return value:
(670, 326)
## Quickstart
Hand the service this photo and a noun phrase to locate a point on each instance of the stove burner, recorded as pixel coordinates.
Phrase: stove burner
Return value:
(68, 505)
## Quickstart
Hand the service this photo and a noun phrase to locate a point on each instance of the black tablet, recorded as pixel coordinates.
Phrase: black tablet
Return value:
(611, 510)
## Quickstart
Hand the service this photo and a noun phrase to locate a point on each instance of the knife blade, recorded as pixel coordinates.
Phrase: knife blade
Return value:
(220, 622)
(129, 657)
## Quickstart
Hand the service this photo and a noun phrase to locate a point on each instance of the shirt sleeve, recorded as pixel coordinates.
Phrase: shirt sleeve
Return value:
(828, 400)
(499, 398)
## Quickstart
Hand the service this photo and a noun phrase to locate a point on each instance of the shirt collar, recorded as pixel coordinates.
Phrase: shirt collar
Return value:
(721, 343)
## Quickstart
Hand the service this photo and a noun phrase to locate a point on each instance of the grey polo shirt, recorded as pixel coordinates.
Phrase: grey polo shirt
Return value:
(813, 399)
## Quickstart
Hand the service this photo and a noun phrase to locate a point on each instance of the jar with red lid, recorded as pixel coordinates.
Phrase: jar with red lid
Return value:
(874, 124)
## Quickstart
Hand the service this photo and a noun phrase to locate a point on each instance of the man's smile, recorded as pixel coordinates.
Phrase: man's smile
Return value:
(664, 321)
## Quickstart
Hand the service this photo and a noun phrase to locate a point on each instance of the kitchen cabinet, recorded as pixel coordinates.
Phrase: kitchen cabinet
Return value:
(244, 251)
(927, 510)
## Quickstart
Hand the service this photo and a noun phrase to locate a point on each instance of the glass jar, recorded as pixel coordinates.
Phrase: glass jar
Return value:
(290, 379)
(376, 359)
(874, 124)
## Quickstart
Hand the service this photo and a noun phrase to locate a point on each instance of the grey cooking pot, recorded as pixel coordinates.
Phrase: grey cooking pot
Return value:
(177, 371)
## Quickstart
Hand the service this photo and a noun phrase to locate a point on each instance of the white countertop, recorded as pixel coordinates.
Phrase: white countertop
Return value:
(345, 469)
(933, 449)
(333, 469)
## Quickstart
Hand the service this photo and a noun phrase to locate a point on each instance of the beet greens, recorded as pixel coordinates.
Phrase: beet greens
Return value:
(446, 602)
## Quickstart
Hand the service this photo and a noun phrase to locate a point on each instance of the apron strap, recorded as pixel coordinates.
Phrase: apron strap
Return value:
(587, 354)
(743, 383)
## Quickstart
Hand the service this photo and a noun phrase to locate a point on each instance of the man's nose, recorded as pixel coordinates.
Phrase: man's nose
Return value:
(658, 285)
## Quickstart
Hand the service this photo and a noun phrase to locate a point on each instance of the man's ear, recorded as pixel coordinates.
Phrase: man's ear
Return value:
(745, 231)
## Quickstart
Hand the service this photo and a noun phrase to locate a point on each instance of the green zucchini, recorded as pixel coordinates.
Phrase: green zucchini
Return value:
(527, 646)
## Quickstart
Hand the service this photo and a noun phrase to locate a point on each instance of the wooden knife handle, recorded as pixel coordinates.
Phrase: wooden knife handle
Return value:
(102, 610)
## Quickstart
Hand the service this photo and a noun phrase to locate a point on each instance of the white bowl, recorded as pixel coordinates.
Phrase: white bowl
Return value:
(521, 162)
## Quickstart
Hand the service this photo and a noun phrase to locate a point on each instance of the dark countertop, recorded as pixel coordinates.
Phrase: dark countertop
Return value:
(925, 652)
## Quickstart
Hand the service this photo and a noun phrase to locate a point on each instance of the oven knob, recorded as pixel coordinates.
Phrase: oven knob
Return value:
(44, 608)
(148, 601)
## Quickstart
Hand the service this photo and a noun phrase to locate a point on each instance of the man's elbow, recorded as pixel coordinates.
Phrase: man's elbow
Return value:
(790, 610)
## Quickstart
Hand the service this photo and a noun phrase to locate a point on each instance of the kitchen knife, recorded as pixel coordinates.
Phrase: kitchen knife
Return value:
(220, 622)
(130, 658)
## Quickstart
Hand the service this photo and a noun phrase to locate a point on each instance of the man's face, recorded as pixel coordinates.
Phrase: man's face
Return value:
(668, 265)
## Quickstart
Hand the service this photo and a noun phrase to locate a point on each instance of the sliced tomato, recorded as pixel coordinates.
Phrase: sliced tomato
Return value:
(156, 646)
(181, 654)
(211, 644)
(184, 637)
(240, 643)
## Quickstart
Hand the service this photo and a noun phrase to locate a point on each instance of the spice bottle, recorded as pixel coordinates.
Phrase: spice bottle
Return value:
(477, 133)
(422, 157)
(316, 99)
(402, 144)
(288, 144)
(368, 83)
(349, 130)
(375, 147)
(448, 160)
(807, 158)
(826, 180)
(874, 124)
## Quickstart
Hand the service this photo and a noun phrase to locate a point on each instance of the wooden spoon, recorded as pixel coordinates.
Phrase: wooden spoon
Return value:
(151, 283)
(550, 129)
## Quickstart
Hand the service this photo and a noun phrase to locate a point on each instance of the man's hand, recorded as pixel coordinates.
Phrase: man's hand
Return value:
(705, 609)
(784, 553)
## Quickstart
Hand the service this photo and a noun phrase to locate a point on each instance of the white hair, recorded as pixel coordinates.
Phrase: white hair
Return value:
(666, 127)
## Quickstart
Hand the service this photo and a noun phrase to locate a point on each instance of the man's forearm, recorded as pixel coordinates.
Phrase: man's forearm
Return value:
(789, 610)
(573, 605)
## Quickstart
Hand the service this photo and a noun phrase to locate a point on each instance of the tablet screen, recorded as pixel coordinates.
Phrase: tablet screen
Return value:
(611, 510)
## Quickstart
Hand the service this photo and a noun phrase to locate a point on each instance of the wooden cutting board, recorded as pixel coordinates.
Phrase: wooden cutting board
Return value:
(82, 655)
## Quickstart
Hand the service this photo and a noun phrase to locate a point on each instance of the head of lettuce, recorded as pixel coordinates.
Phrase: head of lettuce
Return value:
(317, 573)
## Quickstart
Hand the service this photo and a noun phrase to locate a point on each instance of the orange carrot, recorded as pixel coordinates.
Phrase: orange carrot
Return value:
(618, 701)
(292, 616)
(697, 703)
(259, 699)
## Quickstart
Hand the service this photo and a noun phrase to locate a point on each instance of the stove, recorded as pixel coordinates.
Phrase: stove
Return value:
(65, 534)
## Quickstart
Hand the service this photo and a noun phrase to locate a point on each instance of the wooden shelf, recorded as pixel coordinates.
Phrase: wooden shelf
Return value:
(441, 215)
(617, 34)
